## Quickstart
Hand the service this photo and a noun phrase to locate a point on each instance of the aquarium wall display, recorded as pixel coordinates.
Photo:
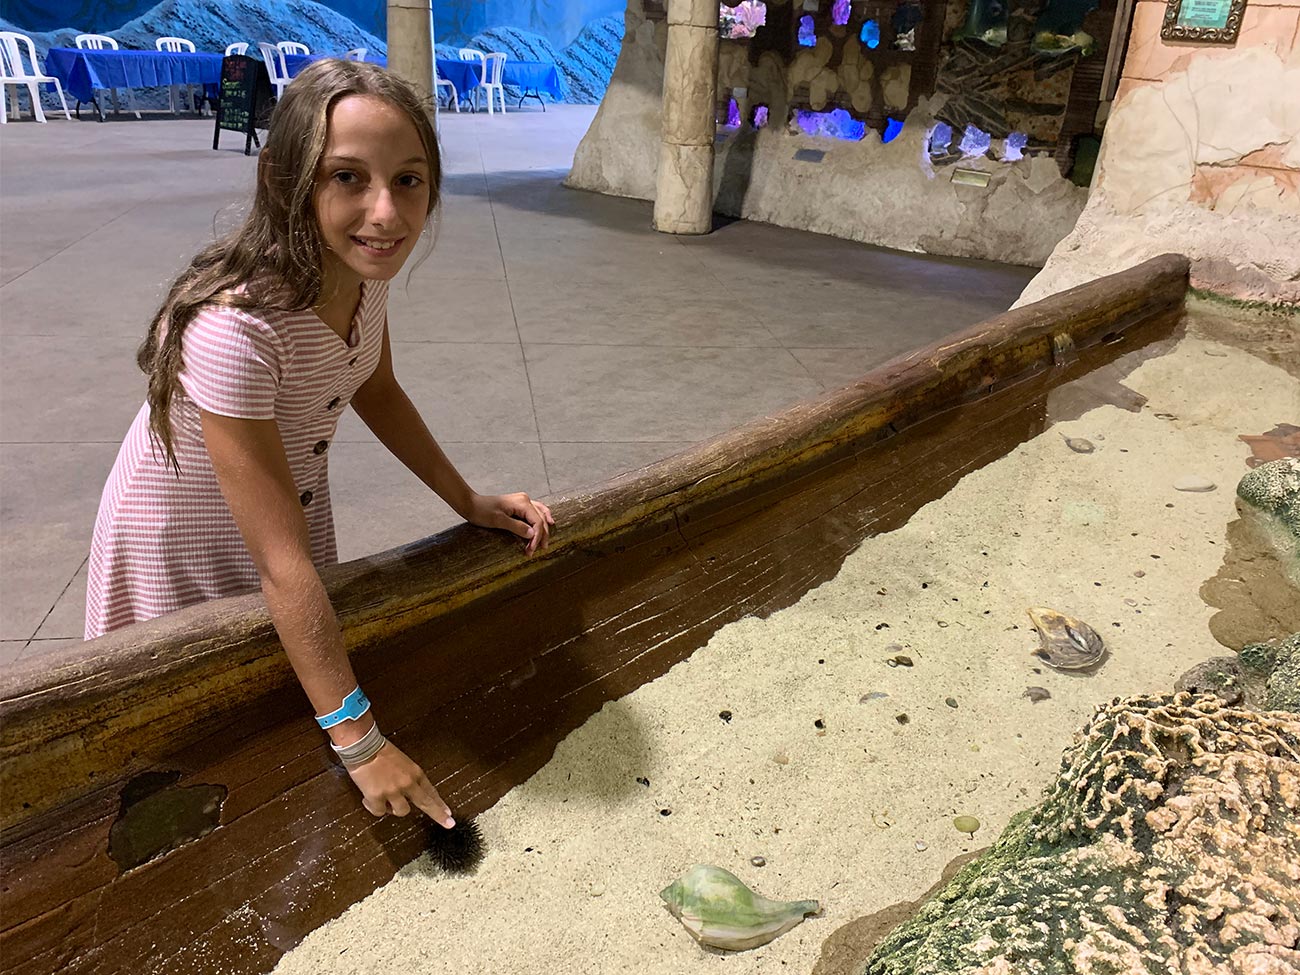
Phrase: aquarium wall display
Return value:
(1025, 70)
(581, 37)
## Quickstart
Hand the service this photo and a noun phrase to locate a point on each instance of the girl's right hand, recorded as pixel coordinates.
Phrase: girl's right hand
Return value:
(392, 783)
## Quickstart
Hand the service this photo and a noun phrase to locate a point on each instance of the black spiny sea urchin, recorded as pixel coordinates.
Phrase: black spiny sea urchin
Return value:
(456, 850)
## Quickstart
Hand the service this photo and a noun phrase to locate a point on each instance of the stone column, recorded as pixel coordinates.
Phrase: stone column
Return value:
(684, 193)
(410, 43)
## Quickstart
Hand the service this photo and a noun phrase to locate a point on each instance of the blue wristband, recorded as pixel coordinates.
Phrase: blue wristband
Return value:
(354, 706)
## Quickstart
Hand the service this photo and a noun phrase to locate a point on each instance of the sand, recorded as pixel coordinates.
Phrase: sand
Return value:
(579, 852)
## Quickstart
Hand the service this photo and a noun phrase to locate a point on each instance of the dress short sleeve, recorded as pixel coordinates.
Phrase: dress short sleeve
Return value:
(230, 363)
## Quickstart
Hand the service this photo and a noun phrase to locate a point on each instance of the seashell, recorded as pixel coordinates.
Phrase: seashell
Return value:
(1079, 445)
(1068, 643)
(718, 909)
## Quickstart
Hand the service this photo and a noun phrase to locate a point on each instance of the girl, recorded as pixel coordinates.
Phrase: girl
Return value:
(220, 486)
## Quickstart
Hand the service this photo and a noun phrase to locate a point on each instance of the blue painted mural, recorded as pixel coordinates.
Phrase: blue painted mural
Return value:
(455, 21)
(571, 35)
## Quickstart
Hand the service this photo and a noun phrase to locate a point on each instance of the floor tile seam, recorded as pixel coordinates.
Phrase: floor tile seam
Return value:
(74, 243)
(448, 443)
(678, 345)
(514, 315)
(62, 592)
(617, 443)
(677, 239)
(62, 443)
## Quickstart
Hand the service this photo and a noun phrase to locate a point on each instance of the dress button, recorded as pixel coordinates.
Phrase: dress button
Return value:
(333, 403)
(305, 498)
(352, 361)
(321, 447)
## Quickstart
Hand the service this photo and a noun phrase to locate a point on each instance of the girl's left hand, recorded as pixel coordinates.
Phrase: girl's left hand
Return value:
(517, 513)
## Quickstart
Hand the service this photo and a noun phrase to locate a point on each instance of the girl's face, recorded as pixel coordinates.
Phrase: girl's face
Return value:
(372, 191)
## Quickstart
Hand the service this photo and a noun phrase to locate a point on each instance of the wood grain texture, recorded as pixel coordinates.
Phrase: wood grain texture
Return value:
(479, 662)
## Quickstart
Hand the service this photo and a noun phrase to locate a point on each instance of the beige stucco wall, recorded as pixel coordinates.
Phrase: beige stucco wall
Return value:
(880, 194)
(1201, 155)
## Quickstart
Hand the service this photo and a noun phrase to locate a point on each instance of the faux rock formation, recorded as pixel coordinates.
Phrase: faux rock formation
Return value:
(1264, 676)
(1170, 842)
(1273, 490)
(1276, 665)
(885, 194)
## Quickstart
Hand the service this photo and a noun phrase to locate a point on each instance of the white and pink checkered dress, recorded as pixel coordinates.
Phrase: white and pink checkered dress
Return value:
(161, 541)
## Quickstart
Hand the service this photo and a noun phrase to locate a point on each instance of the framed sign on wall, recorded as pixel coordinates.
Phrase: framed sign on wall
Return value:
(1206, 21)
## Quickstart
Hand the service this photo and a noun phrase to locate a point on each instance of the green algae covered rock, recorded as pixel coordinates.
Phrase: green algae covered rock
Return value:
(1278, 664)
(1169, 842)
(1273, 489)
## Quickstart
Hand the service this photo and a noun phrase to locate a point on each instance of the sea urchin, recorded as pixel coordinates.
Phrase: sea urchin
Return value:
(456, 850)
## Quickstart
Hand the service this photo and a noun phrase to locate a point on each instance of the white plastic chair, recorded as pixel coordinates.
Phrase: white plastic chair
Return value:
(356, 54)
(178, 45)
(274, 58)
(470, 54)
(14, 72)
(292, 47)
(453, 98)
(496, 63)
(240, 47)
(102, 42)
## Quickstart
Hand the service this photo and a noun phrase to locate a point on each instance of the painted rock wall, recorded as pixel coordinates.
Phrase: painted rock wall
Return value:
(1201, 156)
(211, 26)
(887, 194)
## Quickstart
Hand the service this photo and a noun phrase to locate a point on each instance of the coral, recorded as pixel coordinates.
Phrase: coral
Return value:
(743, 20)
(837, 124)
(807, 33)
(1169, 842)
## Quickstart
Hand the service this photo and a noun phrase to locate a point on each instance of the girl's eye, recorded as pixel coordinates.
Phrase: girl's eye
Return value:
(345, 176)
(410, 180)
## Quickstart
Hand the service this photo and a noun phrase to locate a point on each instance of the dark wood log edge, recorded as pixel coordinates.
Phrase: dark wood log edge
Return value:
(97, 711)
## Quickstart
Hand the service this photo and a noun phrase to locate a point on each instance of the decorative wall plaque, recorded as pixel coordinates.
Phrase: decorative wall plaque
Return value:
(1206, 21)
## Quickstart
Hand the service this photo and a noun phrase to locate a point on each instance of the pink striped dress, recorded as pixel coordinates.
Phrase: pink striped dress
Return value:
(162, 541)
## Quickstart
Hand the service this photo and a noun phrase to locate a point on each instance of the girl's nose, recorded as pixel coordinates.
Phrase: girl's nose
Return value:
(382, 209)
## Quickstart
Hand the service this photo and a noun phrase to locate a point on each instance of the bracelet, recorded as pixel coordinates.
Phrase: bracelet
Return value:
(354, 706)
(362, 750)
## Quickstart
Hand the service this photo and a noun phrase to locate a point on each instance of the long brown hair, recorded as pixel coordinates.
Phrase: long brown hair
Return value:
(278, 252)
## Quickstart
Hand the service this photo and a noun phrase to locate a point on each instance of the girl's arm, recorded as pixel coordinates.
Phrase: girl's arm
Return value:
(253, 471)
(385, 408)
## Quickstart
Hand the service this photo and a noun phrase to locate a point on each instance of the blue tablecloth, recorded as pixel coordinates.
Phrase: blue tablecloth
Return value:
(468, 75)
(533, 76)
(465, 75)
(84, 71)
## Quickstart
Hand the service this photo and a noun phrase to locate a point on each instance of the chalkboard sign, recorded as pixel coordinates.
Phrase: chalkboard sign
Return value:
(244, 100)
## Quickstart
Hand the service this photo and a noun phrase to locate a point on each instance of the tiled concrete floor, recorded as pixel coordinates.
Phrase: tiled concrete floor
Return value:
(551, 339)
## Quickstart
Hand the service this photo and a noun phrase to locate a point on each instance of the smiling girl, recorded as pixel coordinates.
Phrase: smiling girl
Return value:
(220, 487)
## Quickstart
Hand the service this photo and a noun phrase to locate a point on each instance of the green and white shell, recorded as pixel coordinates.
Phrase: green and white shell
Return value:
(718, 909)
